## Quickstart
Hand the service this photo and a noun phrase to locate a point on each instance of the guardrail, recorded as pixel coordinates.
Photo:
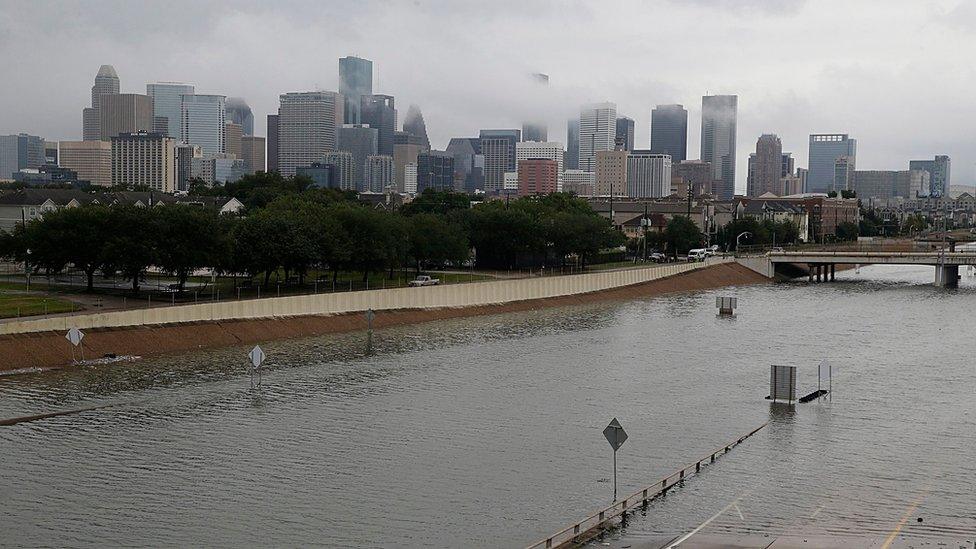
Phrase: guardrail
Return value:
(589, 527)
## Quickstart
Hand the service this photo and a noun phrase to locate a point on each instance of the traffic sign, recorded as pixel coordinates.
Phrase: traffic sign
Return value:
(257, 356)
(75, 336)
(370, 315)
(615, 434)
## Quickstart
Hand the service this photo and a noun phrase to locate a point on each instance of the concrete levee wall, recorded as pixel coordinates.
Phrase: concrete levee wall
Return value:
(760, 264)
(431, 297)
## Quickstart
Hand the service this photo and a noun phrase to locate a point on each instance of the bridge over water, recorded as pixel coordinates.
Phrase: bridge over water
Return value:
(821, 264)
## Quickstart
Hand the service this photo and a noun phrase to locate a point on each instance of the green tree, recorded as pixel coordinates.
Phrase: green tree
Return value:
(190, 238)
(846, 231)
(435, 241)
(70, 236)
(682, 234)
(437, 202)
(131, 245)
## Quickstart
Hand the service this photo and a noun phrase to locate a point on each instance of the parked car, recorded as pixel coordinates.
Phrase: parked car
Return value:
(424, 280)
(698, 254)
(658, 257)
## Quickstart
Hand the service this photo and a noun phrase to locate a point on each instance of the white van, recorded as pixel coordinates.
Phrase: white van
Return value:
(698, 254)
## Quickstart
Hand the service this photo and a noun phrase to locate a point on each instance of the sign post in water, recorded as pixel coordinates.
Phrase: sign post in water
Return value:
(257, 357)
(616, 436)
(74, 336)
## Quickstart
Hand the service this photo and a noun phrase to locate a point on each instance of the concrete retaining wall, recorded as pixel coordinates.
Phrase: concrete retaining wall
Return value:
(760, 264)
(452, 295)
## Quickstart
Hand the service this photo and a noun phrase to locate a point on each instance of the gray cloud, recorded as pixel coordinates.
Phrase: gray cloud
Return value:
(896, 75)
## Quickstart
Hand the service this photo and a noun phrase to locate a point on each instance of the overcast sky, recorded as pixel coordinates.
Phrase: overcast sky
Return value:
(897, 75)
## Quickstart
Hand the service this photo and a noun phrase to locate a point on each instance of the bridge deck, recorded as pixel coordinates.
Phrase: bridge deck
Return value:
(883, 258)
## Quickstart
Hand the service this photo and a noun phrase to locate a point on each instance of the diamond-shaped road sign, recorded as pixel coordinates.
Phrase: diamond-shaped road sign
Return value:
(615, 434)
(257, 356)
(75, 336)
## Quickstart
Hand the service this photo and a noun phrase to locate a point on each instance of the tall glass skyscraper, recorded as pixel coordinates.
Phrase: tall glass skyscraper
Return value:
(825, 149)
(598, 132)
(572, 144)
(379, 112)
(203, 119)
(240, 113)
(718, 140)
(669, 131)
(355, 81)
(168, 103)
(938, 170)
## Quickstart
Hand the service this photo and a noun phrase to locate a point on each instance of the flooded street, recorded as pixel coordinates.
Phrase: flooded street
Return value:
(487, 431)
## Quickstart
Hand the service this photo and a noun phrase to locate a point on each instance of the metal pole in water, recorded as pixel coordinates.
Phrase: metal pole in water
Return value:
(614, 475)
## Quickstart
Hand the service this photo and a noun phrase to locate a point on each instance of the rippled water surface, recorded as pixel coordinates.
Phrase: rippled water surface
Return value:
(486, 432)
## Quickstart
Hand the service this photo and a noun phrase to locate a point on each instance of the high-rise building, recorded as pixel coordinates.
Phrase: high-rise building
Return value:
(233, 135)
(361, 141)
(324, 176)
(91, 160)
(20, 152)
(343, 162)
(168, 106)
(469, 163)
(410, 179)
(889, 183)
(718, 140)
(498, 148)
(217, 168)
(404, 154)
(237, 111)
(824, 150)
(203, 122)
(572, 145)
(355, 81)
(51, 152)
(526, 150)
(788, 166)
(938, 170)
(106, 83)
(308, 127)
(610, 172)
(144, 159)
(579, 182)
(766, 168)
(669, 132)
(537, 130)
(624, 139)
(435, 170)
(648, 174)
(185, 156)
(379, 112)
(598, 132)
(695, 174)
(272, 156)
(379, 173)
(537, 176)
(414, 125)
(252, 153)
(124, 113)
(843, 174)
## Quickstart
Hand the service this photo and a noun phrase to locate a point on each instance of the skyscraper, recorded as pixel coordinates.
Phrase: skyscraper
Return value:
(379, 173)
(824, 151)
(91, 160)
(669, 131)
(355, 81)
(238, 112)
(233, 135)
(526, 150)
(168, 103)
(537, 176)
(572, 144)
(414, 124)
(308, 127)
(598, 132)
(343, 163)
(498, 148)
(767, 167)
(379, 112)
(648, 174)
(106, 83)
(203, 122)
(252, 153)
(938, 170)
(144, 159)
(718, 140)
(124, 113)
(435, 170)
(625, 134)
(19, 152)
(610, 173)
(272, 157)
(537, 130)
(361, 141)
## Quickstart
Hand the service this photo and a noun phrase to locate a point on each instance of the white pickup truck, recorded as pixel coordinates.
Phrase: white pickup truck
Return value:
(424, 280)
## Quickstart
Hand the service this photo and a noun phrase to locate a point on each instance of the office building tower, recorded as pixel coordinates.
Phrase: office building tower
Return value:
(410, 179)
(510, 183)
(237, 111)
(167, 101)
(824, 151)
(233, 134)
(252, 153)
(624, 139)
(693, 174)
(718, 140)
(536, 130)
(106, 83)
(572, 145)
(361, 141)
(91, 160)
(272, 156)
(355, 81)
(669, 132)
(610, 173)
(526, 150)
(51, 152)
(406, 138)
(218, 168)
(124, 113)
(435, 170)
(648, 174)
(20, 152)
(204, 122)
(308, 127)
(404, 154)
(379, 173)
(788, 166)
(379, 112)
(324, 176)
(598, 132)
(766, 167)
(938, 170)
(414, 125)
(889, 183)
(843, 174)
(343, 162)
(578, 182)
(185, 155)
(465, 151)
(498, 148)
(144, 159)
(537, 176)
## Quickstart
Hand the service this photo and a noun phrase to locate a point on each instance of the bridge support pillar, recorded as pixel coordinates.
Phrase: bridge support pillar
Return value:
(809, 272)
(833, 271)
(947, 276)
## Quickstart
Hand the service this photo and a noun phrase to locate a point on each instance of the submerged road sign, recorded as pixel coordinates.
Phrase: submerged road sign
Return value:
(615, 434)
(75, 336)
(257, 356)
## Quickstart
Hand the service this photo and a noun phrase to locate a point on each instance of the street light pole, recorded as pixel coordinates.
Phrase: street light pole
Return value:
(743, 233)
